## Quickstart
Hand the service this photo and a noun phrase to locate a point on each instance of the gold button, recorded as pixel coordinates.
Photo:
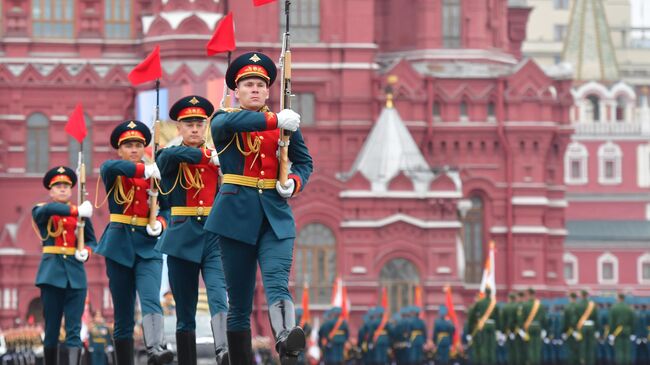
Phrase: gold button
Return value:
(65, 231)
(202, 169)
(199, 210)
(137, 188)
(65, 244)
(64, 220)
(260, 191)
(201, 202)
(263, 155)
(137, 202)
(132, 229)
(198, 218)
(260, 184)
(262, 173)
(262, 137)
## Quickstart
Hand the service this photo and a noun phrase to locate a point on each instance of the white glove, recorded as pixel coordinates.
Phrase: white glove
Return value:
(544, 333)
(597, 334)
(469, 338)
(632, 338)
(151, 170)
(611, 338)
(152, 193)
(511, 335)
(288, 119)
(286, 191)
(85, 210)
(522, 333)
(576, 335)
(156, 230)
(547, 340)
(564, 336)
(81, 256)
(214, 158)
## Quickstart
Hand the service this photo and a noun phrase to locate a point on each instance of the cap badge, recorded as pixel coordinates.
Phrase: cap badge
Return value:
(193, 101)
(255, 58)
(131, 125)
(60, 170)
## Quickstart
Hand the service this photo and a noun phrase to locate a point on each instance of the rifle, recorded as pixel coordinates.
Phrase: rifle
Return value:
(153, 200)
(285, 100)
(81, 195)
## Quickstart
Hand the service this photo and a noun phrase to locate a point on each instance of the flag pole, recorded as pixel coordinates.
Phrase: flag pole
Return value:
(81, 194)
(153, 199)
(226, 102)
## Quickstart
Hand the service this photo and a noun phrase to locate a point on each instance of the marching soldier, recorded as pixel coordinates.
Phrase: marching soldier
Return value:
(621, 321)
(99, 339)
(640, 333)
(602, 356)
(482, 327)
(252, 216)
(363, 335)
(332, 336)
(378, 338)
(534, 328)
(418, 336)
(132, 263)
(401, 337)
(443, 335)
(571, 335)
(189, 175)
(586, 325)
(61, 275)
(509, 325)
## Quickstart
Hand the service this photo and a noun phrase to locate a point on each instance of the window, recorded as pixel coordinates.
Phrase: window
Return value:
(560, 4)
(473, 241)
(315, 262)
(609, 164)
(451, 23)
(53, 18)
(620, 109)
(38, 143)
(88, 151)
(400, 277)
(436, 111)
(570, 268)
(305, 21)
(607, 269)
(463, 110)
(117, 19)
(593, 108)
(304, 104)
(491, 111)
(643, 268)
(559, 32)
(575, 164)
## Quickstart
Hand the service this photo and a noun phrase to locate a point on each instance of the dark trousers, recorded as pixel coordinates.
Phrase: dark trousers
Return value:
(58, 302)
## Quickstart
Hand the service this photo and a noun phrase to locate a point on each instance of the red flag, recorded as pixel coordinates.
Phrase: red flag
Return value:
(76, 125)
(418, 300)
(262, 2)
(223, 39)
(306, 316)
(345, 312)
(147, 70)
(454, 319)
(384, 298)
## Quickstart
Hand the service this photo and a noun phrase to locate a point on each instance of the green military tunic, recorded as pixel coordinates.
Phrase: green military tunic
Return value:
(621, 320)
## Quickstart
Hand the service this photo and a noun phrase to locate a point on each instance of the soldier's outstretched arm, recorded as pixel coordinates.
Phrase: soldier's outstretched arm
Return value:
(168, 158)
(228, 121)
(302, 164)
(43, 212)
(111, 169)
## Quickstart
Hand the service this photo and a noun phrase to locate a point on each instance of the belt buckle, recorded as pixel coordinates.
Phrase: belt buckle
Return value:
(260, 183)
(134, 220)
(199, 210)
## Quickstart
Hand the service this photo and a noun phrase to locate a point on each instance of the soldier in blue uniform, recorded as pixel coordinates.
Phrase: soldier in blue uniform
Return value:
(332, 336)
(417, 337)
(132, 263)
(99, 339)
(378, 338)
(363, 334)
(190, 176)
(443, 336)
(252, 216)
(401, 337)
(61, 275)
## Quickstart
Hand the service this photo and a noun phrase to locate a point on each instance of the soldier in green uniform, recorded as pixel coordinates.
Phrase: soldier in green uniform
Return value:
(570, 335)
(332, 336)
(99, 339)
(482, 327)
(508, 325)
(587, 326)
(621, 321)
(534, 323)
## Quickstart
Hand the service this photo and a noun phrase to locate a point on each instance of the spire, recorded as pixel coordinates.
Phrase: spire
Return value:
(390, 150)
(588, 46)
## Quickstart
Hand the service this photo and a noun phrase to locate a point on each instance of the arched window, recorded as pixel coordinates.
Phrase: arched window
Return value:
(436, 111)
(643, 268)
(315, 262)
(575, 164)
(400, 277)
(593, 108)
(463, 111)
(117, 19)
(473, 241)
(74, 148)
(491, 112)
(570, 268)
(53, 18)
(451, 23)
(38, 143)
(607, 269)
(609, 164)
(621, 105)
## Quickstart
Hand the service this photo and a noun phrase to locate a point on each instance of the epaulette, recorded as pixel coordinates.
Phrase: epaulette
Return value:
(231, 110)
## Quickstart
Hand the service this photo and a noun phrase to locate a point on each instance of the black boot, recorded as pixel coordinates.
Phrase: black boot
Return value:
(152, 331)
(74, 355)
(240, 349)
(289, 339)
(124, 351)
(219, 322)
(186, 348)
(50, 355)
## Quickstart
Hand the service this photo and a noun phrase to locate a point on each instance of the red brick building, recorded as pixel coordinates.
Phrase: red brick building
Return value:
(472, 151)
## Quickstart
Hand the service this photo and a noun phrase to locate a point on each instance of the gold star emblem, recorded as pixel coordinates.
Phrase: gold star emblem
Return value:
(255, 58)
(131, 125)
(193, 101)
(60, 170)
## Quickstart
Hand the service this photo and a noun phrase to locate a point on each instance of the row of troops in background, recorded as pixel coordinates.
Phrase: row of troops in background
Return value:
(176, 205)
(519, 332)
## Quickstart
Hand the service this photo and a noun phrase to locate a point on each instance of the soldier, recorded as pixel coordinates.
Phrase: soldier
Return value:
(509, 323)
(640, 333)
(401, 336)
(602, 353)
(99, 338)
(621, 321)
(534, 324)
(418, 336)
(363, 335)
(377, 338)
(571, 335)
(587, 317)
(332, 336)
(190, 176)
(61, 275)
(252, 216)
(132, 263)
(482, 327)
(443, 335)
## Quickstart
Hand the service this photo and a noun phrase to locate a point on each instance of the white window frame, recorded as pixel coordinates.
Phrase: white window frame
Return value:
(576, 151)
(570, 258)
(645, 258)
(607, 257)
(643, 165)
(610, 152)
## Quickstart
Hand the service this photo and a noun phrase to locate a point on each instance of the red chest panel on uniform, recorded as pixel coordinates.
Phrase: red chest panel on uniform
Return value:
(140, 205)
(263, 165)
(68, 237)
(205, 196)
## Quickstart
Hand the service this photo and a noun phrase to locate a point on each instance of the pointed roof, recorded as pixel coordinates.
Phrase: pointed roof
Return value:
(388, 151)
(588, 45)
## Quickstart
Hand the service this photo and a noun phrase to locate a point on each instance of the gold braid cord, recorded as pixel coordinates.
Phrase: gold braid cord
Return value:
(50, 232)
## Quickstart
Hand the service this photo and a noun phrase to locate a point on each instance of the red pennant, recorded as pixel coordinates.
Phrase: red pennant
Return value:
(262, 2)
(223, 39)
(454, 319)
(147, 70)
(306, 315)
(76, 125)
